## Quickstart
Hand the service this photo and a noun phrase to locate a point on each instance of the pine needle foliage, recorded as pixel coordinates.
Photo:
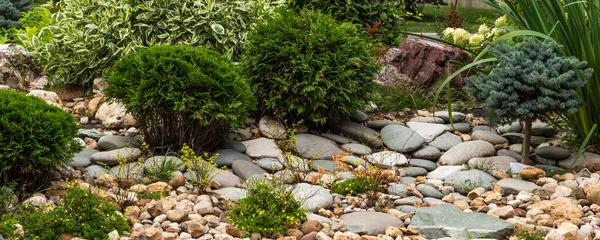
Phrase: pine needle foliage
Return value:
(308, 66)
(10, 12)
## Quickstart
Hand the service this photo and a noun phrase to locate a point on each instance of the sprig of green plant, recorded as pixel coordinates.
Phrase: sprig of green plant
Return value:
(202, 168)
(161, 171)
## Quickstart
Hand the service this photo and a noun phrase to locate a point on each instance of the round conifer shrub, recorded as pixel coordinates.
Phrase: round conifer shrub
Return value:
(181, 95)
(34, 136)
(308, 66)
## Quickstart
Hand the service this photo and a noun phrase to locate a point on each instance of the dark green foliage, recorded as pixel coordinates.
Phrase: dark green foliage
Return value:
(34, 136)
(181, 94)
(309, 67)
(10, 12)
(362, 12)
(266, 210)
(531, 79)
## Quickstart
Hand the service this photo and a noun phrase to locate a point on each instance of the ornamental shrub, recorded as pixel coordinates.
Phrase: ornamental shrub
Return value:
(266, 209)
(34, 136)
(181, 95)
(390, 14)
(10, 12)
(91, 35)
(309, 67)
(531, 79)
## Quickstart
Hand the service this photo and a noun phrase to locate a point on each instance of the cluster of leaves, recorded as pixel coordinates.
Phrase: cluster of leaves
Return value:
(390, 14)
(353, 186)
(30, 34)
(307, 66)
(181, 95)
(202, 169)
(161, 170)
(82, 214)
(267, 209)
(34, 136)
(90, 36)
(10, 12)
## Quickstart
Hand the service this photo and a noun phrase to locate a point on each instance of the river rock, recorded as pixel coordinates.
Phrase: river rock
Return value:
(463, 152)
(401, 139)
(370, 223)
(429, 131)
(387, 159)
(358, 132)
(313, 197)
(262, 148)
(446, 141)
(227, 156)
(315, 147)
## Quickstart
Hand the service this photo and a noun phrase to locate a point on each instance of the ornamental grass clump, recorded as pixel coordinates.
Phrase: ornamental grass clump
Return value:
(531, 79)
(181, 95)
(308, 66)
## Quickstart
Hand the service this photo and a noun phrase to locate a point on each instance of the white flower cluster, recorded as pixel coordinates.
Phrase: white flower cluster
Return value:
(476, 41)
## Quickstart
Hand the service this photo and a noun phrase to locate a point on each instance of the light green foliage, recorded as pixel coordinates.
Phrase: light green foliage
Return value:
(362, 12)
(34, 136)
(30, 34)
(354, 186)
(531, 79)
(92, 35)
(181, 95)
(267, 209)
(162, 171)
(202, 168)
(10, 12)
(309, 67)
(529, 235)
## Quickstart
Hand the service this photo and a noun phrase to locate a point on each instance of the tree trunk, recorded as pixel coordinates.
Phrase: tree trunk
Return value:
(526, 141)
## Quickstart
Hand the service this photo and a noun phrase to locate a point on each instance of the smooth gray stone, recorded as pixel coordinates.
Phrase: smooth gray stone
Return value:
(465, 181)
(114, 142)
(245, 169)
(96, 170)
(491, 164)
(542, 129)
(359, 132)
(406, 208)
(370, 223)
(359, 117)
(112, 157)
(261, 148)
(240, 134)
(429, 131)
(387, 159)
(401, 139)
(83, 158)
(461, 127)
(545, 161)
(227, 156)
(488, 136)
(270, 127)
(549, 169)
(379, 124)
(442, 221)
(312, 197)
(513, 127)
(554, 153)
(446, 141)
(509, 153)
(226, 178)
(585, 159)
(483, 128)
(338, 139)
(232, 193)
(427, 120)
(514, 138)
(356, 148)
(325, 164)
(429, 191)
(269, 164)
(427, 152)
(353, 160)
(414, 171)
(233, 145)
(315, 147)
(406, 180)
(426, 164)
(442, 172)
(515, 185)
(128, 170)
(463, 152)
(398, 190)
(90, 133)
(456, 116)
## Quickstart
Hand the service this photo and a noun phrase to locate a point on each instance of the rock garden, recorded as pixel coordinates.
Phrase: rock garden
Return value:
(297, 121)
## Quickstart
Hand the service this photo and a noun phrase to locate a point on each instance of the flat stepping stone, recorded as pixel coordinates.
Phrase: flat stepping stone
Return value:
(271, 128)
(90, 133)
(430, 191)
(441, 222)
(515, 185)
(442, 172)
(426, 164)
(356, 148)
(370, 223)
(233, 145)
(83, 158)
(401, 139)
(398, 189)
(312, 197)
(414, 171)
(446, 141)
(262, 148)
(490, 164)
(429, 131)
(227, 156)
(359, 116)
(232, 193)
(112, 157)
(379, 124)
(245, 170)
(490, 137)
(338, 139)
(158, 161)
(554, 153)
(326, 165)
(114, 142)
(461, 127)
(465, 181)
(427, 152)
(315, 147)
(269, 164)
(463, 152)
(456, 116)
(226, 179)
(427, 120)
(358, 132)
(387, 159)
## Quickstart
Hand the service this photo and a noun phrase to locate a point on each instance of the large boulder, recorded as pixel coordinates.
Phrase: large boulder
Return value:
(18, 70)
(419, 62)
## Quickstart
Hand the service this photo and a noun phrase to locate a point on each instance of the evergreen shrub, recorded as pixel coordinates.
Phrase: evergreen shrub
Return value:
(34, 136)
(181, 95)
(308, 66)
(10, 12)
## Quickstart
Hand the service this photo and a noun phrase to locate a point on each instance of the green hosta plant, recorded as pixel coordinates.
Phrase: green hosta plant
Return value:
(309, 67)
(531, 79)
(92, 35)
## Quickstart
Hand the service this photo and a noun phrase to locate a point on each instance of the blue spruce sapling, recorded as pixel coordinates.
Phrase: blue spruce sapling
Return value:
(531, 79)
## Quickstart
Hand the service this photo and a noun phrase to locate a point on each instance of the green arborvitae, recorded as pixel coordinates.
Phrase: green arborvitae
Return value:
(531, 79)
(10, 12)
